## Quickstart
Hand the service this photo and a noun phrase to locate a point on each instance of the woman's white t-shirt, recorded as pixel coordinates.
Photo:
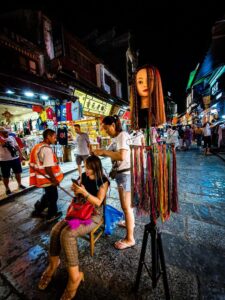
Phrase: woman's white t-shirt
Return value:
(122, 141)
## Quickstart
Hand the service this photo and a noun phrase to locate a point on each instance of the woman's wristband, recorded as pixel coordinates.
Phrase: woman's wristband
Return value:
(88, 195)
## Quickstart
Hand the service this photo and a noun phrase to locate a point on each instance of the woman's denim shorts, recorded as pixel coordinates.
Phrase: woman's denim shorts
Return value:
(124, 181)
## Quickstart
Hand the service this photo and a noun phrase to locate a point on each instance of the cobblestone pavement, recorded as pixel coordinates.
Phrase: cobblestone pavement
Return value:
(193, 242)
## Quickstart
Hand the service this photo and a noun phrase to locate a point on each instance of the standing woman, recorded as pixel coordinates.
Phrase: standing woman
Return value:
(119, 152)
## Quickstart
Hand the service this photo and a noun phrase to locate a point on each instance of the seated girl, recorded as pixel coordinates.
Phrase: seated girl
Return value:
(94, 186)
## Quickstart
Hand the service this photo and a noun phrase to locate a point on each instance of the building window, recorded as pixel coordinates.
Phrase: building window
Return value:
(23, 63)
(33, 67)
(111, 83)
(28, 65)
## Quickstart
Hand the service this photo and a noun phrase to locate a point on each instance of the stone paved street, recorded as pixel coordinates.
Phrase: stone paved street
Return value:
(193, 242)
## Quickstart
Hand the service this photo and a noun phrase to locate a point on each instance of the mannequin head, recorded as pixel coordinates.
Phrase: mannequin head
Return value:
(142, 83)
(146, 98)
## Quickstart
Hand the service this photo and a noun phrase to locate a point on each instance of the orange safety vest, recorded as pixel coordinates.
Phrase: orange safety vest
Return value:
(37, 170)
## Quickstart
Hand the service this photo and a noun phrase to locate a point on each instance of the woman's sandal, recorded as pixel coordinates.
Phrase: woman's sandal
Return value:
(122, 244)
(70, 294)
(45, 279)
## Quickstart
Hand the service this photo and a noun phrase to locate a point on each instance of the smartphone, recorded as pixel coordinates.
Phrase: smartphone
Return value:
(75, 181)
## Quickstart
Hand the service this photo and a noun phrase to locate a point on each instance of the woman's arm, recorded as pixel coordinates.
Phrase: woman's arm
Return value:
(114, 155)
(96, 200)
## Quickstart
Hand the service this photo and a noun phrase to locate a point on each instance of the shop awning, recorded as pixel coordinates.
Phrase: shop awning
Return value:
(20, 83)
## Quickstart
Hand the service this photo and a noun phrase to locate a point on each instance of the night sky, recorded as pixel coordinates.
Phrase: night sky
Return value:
(172, 35)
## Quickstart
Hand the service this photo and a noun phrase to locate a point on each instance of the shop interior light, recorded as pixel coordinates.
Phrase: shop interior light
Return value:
(214, 105)
(29, 94)
(10, 92)
(223, 117)
(44, 97)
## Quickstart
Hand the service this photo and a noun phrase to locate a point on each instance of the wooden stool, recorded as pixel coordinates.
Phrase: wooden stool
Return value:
(95, 234)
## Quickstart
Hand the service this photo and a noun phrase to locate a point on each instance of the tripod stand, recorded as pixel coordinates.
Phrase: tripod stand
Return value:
(158, 260)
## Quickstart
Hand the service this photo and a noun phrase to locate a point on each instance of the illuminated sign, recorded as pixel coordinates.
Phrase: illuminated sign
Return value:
(92, 104)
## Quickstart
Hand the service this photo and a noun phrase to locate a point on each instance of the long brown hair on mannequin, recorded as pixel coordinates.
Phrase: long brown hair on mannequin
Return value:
(154, 108)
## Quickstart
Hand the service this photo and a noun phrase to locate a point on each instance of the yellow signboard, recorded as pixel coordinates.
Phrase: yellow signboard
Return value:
(92, 104)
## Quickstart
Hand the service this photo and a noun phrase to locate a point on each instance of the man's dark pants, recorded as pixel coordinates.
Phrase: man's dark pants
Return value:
(48, 200)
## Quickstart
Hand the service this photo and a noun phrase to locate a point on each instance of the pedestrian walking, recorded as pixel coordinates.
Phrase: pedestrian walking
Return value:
(119, 152)
(172, 137)
(46, 173)
(10, 159)
(198, 135)
(188, 134)
(207, 138)
(83, 147)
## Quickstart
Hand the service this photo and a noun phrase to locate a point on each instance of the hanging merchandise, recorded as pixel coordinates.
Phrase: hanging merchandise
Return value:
(60, 112)
(68, 111)
(37, 108)
(153, 169)
(43, 116)
(76, 109)
(154, 181)
(62, 135)
(50, 113)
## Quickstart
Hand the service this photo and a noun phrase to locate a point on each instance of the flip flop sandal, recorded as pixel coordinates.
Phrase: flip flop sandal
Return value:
(120, 245)
(70, 294)
(44, 281)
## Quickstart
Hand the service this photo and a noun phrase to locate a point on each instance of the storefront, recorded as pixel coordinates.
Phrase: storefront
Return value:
(26, 119)
(94, 110)
(28, 111)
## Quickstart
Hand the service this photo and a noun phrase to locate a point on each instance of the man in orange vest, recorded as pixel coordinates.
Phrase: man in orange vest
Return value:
(46, 173)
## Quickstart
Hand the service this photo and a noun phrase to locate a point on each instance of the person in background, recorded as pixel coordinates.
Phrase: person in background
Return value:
(137, 138)
(10, 155)
(198, 135)
(93, 186)
(172, 136)
(188, 133)
(207, 138)
(181, 136)
(83, 147)
(46, 173)
(119, 152)
(59, 152)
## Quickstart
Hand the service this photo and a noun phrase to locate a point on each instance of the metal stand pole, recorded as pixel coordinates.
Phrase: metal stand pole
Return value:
(158, 260)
